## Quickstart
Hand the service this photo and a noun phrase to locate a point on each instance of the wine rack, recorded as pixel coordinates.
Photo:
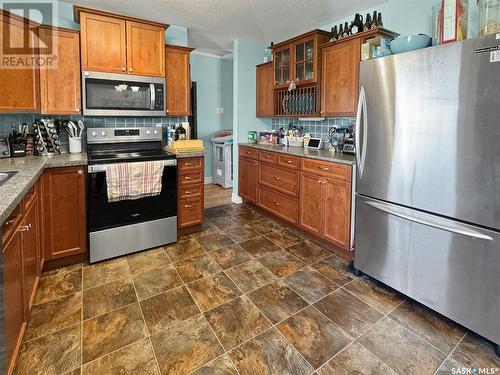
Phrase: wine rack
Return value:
(302, 101)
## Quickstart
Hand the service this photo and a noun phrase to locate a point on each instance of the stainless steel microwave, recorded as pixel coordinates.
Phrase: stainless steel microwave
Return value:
(109, 94)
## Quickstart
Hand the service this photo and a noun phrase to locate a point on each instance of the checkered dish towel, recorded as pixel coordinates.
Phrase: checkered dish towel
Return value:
(134, 180)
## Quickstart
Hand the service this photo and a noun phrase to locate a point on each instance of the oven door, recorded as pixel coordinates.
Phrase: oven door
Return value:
(109, 94)
(102, 214)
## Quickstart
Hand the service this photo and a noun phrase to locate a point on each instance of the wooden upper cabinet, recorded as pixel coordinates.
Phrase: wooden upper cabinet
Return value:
(337, 218)
(103, 43)
(64, 215)
(145, 49)
(340, 78)
(19, 87)
(178, 79)
(120, 44)
(282, 58)
(60, 88)
(264, 91)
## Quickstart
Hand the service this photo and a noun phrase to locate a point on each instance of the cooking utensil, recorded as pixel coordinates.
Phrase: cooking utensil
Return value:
(81, 126)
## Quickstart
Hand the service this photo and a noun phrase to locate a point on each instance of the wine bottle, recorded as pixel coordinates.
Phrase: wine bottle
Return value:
(368, 22)
(379, 20)
(374, 20)
(341, 32)
(346, 30)
(356, 25)
(334, 34)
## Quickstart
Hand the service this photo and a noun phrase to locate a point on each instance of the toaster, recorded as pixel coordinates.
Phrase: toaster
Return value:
(4, 148)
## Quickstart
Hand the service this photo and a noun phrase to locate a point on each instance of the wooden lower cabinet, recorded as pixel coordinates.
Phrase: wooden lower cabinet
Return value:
(190, 192)
(63, 212)
(248, 173)
(337, 215)
(311, 203)
(280, 204)
(30, 228)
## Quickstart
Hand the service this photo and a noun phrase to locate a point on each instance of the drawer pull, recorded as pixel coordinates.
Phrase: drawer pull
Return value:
(319, 181)
(188, 206)
(324, 168)
(187, 192)
(276, 203)
(187, 164)
(255, 164)
(289, 161)
(188, 178)
(25, 228)
(276, 178)
(268, 157)
(9, 222)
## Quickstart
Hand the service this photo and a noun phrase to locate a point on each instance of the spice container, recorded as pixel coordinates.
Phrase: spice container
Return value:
(489, 17)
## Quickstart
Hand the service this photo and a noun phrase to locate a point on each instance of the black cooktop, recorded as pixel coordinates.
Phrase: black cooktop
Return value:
(126, 152)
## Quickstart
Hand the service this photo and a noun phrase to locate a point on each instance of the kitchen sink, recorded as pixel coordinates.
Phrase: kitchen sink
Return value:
(5, 176)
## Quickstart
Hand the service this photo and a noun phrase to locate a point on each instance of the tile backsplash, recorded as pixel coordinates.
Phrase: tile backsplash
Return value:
(316, 128)
(6, 120)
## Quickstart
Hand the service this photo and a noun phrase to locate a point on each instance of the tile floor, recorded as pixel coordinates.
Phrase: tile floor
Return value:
(242, 296)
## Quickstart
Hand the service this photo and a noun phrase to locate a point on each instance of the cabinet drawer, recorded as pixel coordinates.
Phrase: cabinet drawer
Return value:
(249, 153)
(280, 179)
(191, 178)
(190, 192)
(189, 164)
(287, 161)
(280, 204)
(11, 224)
(30, 196)
(190, 212)
(327, 169)
(268, 157)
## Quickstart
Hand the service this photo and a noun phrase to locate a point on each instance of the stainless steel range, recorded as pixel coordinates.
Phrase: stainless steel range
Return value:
(121, 227)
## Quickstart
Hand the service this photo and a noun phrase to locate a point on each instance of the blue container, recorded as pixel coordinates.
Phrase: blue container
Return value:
(410, 43)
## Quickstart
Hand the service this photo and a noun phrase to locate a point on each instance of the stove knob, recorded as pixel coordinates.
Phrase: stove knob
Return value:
(148, 132)
(155, 132)
(94, 134)
(103, 133)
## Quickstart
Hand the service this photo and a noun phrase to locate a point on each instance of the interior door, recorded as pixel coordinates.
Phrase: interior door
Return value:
(428, 131)
(311, 202)
(103, 43)
(145, 49)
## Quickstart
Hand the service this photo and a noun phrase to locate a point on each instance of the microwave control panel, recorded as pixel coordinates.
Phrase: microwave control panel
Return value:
(159, 98)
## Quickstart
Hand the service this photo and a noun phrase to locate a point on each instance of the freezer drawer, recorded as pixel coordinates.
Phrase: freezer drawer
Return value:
(448, 266)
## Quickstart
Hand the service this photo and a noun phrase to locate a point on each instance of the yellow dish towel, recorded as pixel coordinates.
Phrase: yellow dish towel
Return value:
(134, 180)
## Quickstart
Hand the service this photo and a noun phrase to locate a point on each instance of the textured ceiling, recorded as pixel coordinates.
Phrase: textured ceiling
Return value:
(214, 24)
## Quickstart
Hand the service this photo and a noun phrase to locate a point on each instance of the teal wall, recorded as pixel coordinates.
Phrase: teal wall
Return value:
(247, 54)
(227, 93)
(212, 84)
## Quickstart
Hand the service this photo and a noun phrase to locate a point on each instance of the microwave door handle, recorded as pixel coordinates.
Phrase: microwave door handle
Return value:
(152, 91)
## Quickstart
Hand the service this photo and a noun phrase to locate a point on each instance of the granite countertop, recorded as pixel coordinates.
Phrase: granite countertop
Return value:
(28, 169)
(326, 155)
(190, 154)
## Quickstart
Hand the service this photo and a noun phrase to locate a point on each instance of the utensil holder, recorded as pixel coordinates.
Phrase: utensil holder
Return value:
(75, 145)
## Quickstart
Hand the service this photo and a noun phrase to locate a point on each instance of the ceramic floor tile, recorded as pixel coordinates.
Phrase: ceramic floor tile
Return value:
(277, 301)
(248, 216)
(182, 250)
(186, 346)
(114, 330)
(400, 349)
(335, 269)
(308, 252)
(281, 263)
(107, 297)
(137, 359)
(236, 321)
(147, 260)
(310, 284)
(314, 336)
(219, 366)
(450, 366)
(250, 275)
(269, 353)
(284, 238)
(264, 226)
(58, 284)
(213, 291)
(197, 267)
(105, 272)
(376, 295)
(56, 353)
(164, 310)
(54, 315)
(77, 371)
(206, 228)
(234, 209)
(226, 222)
(215, 241)
(62, 270)
(213, 212)
(441, 333)
(474, 351)
(230, 256)
(356, 359)
(259, 246)
(156, 281)
(240, 234)
(349, 312)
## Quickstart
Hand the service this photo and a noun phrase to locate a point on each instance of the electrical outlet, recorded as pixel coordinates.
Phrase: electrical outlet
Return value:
(219, 111)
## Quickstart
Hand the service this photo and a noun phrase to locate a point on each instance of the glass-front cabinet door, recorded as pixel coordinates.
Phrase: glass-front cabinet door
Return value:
(304, 62)
(282, 64)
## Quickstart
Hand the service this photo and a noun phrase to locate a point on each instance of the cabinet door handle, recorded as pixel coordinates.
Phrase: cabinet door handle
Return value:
(8, 222)
(25, 228)
(276, 203)
(187, 192)
(77, 109)
(276, 178)
(319, 181)
(130, 70)
(80, 172)
(187, 206)
(123, 69)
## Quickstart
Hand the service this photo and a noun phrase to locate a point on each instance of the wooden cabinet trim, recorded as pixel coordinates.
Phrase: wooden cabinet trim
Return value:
(77, 10)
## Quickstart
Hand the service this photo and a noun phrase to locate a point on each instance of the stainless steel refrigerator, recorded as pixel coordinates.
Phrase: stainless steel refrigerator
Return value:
(428, 179)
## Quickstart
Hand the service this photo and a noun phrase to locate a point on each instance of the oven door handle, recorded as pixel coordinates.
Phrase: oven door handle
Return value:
(153, 95)
(102, 167)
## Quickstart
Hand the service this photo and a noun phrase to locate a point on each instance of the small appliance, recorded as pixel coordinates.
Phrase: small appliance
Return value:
(314, 143)
(4, 147)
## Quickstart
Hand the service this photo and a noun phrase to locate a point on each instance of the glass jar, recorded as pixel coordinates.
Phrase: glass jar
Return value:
(489, 17)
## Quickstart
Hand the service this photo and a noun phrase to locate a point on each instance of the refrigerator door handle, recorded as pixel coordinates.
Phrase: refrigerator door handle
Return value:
(427, 219)
(361, 131)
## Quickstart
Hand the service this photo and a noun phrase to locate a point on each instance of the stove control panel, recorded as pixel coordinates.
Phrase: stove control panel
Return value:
(115, 135)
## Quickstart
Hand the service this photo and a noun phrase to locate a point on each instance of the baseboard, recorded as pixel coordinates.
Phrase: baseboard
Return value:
(235, 198)
(209, 180)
